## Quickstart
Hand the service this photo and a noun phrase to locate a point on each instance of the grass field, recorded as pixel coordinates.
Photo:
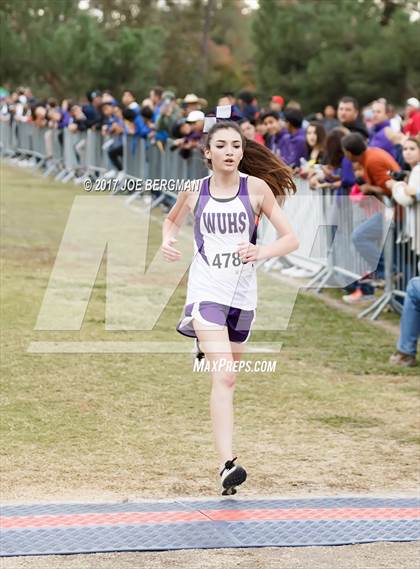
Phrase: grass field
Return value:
(335, 418)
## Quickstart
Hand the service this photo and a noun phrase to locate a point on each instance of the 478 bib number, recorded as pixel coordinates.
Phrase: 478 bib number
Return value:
(224, 260)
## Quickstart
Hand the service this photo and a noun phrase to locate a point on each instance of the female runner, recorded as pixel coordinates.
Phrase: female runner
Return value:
(247, 181)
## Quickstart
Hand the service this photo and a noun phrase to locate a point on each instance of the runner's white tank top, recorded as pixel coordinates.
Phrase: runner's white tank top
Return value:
(216, 273)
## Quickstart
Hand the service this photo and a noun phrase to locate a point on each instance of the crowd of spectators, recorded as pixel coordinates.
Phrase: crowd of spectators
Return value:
(302, 141)
(374, 150)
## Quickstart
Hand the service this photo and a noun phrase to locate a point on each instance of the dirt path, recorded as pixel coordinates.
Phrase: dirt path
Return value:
(366, 556)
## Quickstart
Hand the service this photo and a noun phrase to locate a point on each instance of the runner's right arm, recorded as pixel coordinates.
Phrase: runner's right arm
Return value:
(173, 224)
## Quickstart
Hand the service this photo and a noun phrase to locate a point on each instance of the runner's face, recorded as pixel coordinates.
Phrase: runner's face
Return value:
(225, 150)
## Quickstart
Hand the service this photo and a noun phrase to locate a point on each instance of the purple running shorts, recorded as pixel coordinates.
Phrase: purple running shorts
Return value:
(237, 320)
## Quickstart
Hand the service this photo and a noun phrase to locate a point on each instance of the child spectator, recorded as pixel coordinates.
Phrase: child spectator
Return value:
(330, 121)
(315, 142)
(295, 146)
(276, 131)
(328, 176)
(249, 131)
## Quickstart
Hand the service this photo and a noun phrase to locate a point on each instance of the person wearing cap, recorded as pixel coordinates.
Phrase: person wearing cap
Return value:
(192, 140)
(92, 110)
(277, 103)
(192, 103)
(412, 116)
(196, 118)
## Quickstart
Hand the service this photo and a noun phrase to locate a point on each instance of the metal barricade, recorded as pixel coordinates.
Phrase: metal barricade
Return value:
(39, 149)
(307, 215)
(196, 166)
(97, 159)
(176, 165)
(154, 162)
(6, 137)
(24, 143)
(134, 157)
(406, 246)
(74, 155)
(30, 141)
(401, 257)
(334, 219)
(54, 140)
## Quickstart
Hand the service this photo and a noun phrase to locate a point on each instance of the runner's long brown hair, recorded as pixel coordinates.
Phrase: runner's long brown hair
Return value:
(260, 162)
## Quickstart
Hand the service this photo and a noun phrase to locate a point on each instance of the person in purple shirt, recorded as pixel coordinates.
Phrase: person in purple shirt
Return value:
(277, 133)
(381, 134)
(65, 114)
(295, 147)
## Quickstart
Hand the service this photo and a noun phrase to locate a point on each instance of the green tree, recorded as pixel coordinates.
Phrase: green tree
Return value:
(67, 51)
(317, 51)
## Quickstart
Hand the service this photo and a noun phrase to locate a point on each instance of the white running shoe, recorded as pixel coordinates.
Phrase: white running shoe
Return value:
(231, 475)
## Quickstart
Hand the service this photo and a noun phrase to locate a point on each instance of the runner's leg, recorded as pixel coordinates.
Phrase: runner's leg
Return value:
(223, 384)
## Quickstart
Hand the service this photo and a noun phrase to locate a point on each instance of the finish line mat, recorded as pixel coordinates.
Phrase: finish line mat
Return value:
(184, 524)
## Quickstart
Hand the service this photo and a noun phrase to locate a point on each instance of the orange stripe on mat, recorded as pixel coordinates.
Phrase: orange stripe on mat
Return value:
(127, 518)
